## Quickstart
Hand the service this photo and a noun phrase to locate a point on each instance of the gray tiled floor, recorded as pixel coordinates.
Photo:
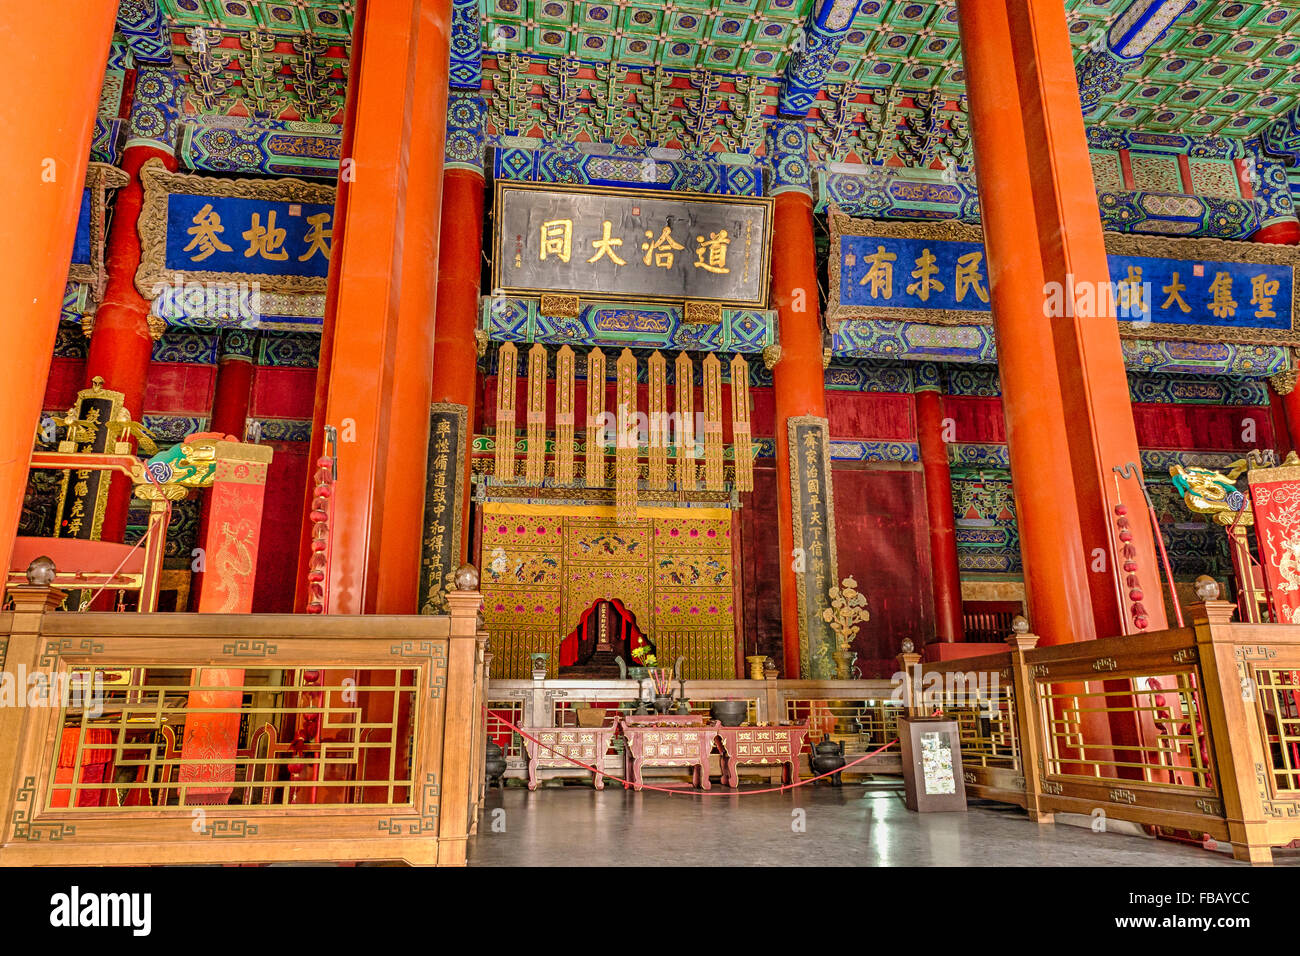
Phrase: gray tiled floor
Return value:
(852, 826)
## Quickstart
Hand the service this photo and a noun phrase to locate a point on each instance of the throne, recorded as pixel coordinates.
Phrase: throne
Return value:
(606, 630)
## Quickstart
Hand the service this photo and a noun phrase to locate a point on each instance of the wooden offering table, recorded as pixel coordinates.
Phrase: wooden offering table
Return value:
(554, 744)
(761, 745)
(671, 741)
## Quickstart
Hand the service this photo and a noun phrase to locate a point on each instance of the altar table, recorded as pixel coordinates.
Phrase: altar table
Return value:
(588, 744)
(761, 745)
(670, 745)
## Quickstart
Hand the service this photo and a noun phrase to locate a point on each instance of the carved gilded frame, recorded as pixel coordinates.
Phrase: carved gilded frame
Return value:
(702, 310)
(842, 224)
(1214, 250)
(159, 183)
(100, 178)
(1189, 250)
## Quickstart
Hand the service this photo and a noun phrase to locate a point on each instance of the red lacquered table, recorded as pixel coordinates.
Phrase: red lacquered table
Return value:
(587, 744)
(669, 744)
(761, 745)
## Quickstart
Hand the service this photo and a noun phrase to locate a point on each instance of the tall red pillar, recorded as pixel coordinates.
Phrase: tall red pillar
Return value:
(798, 384)
(401, 528)
(455, 365)
(932, 435)
(1041, 225)
(1284, 403)
(398, 98)
(233, 392)
(47, 118)
(121, 342)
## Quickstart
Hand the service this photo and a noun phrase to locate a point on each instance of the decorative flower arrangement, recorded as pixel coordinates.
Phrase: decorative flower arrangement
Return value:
(846, 615)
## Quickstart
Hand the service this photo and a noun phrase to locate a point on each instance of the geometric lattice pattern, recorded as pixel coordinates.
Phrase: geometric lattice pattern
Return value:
(133, 740)
(1176, 756)
(1279, 692)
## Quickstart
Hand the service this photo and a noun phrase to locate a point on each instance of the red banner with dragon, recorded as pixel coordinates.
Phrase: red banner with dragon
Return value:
(1276, 495)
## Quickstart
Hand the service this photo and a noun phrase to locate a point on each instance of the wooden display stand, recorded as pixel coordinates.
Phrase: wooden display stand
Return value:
(932, 774)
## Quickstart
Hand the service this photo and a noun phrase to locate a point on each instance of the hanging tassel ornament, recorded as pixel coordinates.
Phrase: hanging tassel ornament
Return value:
(1131, 581)
(595, 464)
(657, 452)
(507, 365)
(535, 462)
(564, 416)
(741, 442)
(625, 451)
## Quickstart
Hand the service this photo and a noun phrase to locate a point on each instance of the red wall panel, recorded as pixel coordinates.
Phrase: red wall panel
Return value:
(277, 554)
(871, 416)
(976, 419)
(67, 377)
(178, 388)
(760, 571)
(283, 392)
(882, 534)
(1203, 427)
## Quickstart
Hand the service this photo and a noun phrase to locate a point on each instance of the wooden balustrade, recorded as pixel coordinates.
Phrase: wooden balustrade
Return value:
(1192, 729)
(219, 738)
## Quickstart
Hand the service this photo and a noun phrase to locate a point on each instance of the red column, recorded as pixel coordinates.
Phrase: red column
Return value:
(931, 435)
(455, 366)
(47, 121)
(1042, 225)
(1286, 233)
(367, 371)
(797, 380)
(401, 528)
(234, 386)
(121, 343)
(1284, 402)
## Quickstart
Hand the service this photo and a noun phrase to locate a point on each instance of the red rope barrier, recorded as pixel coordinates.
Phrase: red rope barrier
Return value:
(697, 793)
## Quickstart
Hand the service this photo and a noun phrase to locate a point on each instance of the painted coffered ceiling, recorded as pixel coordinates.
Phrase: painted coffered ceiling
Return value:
(1224, 67)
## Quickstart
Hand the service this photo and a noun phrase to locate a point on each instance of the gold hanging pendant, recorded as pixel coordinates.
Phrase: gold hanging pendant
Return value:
(595, 410)
(564, 416)
(507, 370)
(684, 373)
(657, 453)
(625, 452)
(741, 440)
(535, 463)
(712, 423)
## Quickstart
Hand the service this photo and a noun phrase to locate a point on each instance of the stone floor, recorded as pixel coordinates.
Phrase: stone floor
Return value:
(852, 826)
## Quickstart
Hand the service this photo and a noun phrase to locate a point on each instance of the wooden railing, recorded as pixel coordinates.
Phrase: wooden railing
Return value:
(1191, 730)
(217, 738)
(862, 714)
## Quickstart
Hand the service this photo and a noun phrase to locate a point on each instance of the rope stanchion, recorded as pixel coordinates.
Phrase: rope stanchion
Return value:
(696, 793)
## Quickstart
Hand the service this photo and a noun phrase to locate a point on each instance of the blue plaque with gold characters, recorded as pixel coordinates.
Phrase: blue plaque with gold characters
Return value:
(1191, 289)
(277, 233)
